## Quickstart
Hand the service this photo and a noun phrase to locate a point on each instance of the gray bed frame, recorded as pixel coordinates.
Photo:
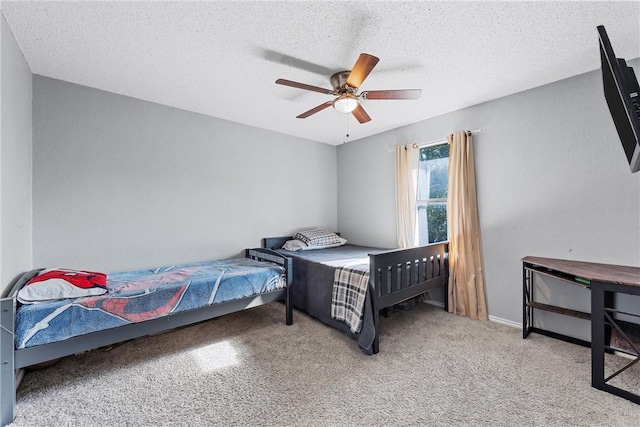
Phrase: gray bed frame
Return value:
(398, 275)
(12, 360)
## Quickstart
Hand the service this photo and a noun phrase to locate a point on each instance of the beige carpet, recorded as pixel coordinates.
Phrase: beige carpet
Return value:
(249, 368)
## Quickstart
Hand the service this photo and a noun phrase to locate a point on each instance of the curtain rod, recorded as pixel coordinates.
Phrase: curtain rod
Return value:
(437, 141)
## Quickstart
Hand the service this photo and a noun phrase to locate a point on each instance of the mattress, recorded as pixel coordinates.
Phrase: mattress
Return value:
(137, 296)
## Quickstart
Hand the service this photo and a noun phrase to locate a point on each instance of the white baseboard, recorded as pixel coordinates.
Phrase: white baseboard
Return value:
(505, 322)
(433, 302)
(491, 318)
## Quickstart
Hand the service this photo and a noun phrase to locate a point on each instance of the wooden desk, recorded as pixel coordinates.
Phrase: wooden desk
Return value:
(604, 280)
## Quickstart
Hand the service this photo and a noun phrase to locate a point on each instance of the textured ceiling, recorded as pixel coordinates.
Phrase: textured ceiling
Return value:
(221, 58)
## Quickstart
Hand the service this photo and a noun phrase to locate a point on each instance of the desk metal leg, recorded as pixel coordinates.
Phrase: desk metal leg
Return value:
(597, 336)
(527, 296)
(601, 323)
(525, 325)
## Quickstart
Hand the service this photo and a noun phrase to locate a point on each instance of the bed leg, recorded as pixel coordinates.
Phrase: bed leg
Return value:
(7, 362)
(288, 308)
(372, 295)
(376, 339)
(446, 295)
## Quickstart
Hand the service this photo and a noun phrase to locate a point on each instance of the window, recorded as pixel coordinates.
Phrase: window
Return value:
(432, 193)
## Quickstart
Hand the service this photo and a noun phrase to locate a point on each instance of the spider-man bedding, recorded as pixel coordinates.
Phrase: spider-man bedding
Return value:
(136, 296)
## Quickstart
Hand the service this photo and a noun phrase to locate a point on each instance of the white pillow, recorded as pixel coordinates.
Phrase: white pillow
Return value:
(59, 283)
(294, 245)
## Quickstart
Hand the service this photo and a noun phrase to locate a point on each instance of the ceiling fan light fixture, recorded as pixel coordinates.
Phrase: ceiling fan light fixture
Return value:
(345, 103)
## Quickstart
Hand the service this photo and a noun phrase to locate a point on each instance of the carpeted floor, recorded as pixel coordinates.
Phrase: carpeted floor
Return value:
(249, 368)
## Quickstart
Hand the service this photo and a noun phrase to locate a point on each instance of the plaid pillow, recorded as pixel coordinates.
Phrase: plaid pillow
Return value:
(318, 237)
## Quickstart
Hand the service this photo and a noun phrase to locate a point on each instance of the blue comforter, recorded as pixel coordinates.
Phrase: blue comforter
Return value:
(136, 296)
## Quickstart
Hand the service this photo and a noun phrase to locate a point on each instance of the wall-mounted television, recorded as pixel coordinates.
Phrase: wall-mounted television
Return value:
(622, 93)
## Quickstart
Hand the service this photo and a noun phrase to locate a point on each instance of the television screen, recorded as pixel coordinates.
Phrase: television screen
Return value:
(622, 92)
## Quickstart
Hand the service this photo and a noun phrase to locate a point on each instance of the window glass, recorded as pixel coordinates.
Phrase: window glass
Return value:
(432, 193)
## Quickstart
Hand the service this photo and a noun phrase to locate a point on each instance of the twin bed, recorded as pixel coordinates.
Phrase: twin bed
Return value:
(390, 277)
(137, 303)
(144, 302)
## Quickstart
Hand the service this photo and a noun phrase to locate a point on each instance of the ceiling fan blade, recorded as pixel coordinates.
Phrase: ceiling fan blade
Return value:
(392, 94)
(360, 114)
(314, 110)
(304, 86)
(361, 70)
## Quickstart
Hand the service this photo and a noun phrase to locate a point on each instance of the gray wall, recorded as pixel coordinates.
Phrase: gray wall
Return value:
(552, 178)
(15, 163)
(121, 183)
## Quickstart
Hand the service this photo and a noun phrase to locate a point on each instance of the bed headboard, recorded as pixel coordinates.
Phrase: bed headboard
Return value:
(19, 282)
(274, 242)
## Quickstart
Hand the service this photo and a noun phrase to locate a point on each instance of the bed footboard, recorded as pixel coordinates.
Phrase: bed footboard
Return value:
(262, 254)
(7, 373)
(7, 346)
(396, 276)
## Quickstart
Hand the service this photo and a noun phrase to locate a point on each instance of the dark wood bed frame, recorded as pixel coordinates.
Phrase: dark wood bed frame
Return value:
(12, 360)
(398, 275)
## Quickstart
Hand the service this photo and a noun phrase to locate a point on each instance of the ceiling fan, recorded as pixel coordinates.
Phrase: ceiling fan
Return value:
(345, 87)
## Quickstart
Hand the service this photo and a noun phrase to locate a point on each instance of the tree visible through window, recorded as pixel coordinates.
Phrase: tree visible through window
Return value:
(432, 193)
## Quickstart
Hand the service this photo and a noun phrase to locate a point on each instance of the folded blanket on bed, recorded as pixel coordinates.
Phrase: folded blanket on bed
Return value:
(349, 292)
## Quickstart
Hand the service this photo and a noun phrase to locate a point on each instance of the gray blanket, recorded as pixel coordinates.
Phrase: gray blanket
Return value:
(312, 287)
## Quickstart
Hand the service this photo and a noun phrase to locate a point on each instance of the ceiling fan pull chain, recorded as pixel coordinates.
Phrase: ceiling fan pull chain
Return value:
(346, 120)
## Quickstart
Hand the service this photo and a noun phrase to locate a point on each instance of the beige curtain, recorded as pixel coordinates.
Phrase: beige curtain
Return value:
(466, 272)
(406, 193)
